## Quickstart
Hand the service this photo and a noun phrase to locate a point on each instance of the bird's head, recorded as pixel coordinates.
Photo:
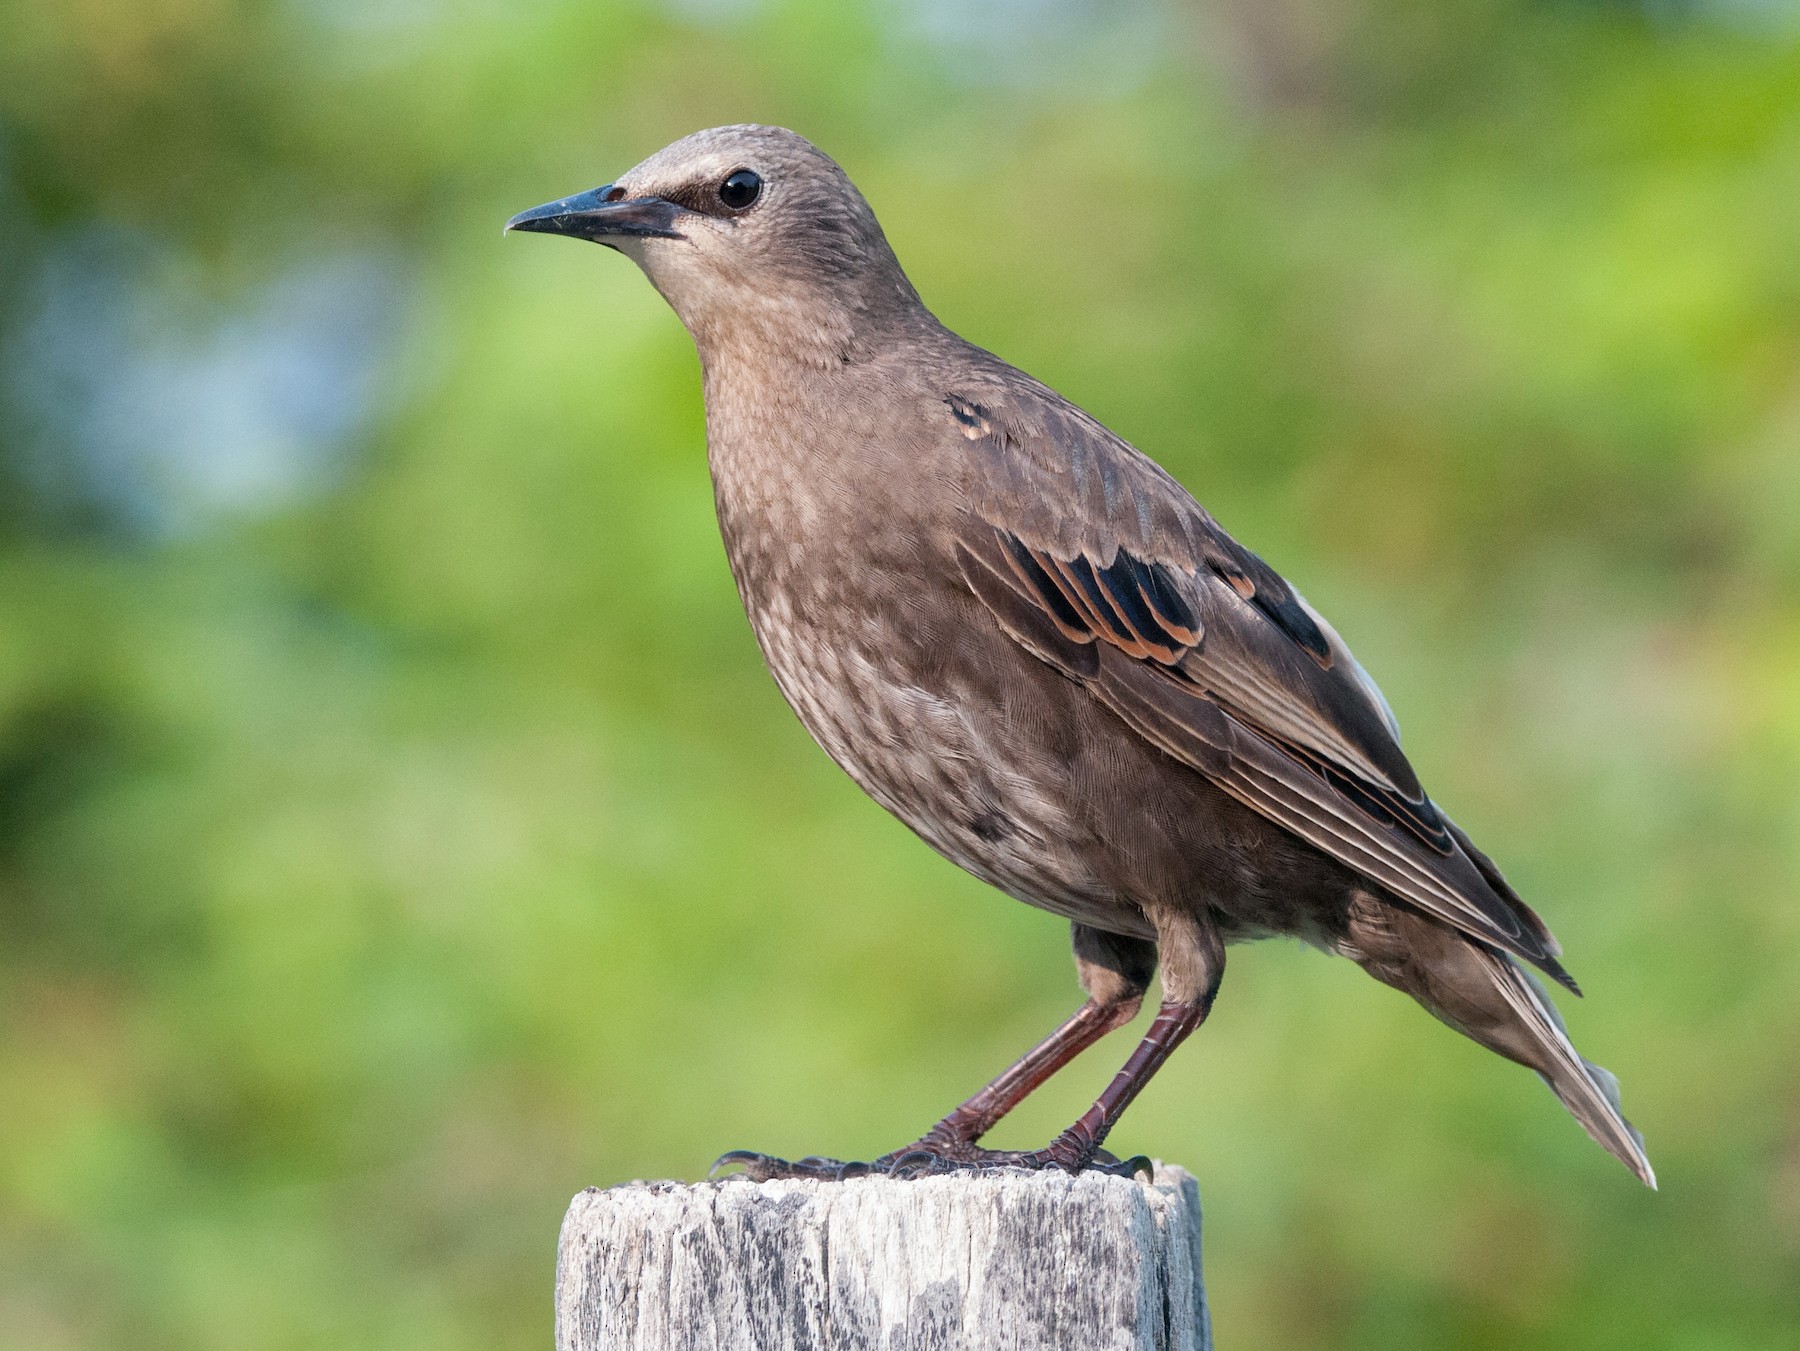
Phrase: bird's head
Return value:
(754, 236)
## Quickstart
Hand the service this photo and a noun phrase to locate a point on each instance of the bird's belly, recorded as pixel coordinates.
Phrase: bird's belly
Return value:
(945, 762)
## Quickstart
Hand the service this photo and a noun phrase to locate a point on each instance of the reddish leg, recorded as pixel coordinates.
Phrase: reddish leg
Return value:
(1076, 1147)
(976, 1117)
(951, 1143)
(1114, 972)
(949, 1146)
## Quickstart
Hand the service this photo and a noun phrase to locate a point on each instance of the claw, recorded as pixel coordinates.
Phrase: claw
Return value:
(747, 1159)
(917, 1163)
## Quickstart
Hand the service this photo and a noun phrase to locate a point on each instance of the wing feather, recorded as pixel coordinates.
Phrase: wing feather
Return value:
(1099, 563)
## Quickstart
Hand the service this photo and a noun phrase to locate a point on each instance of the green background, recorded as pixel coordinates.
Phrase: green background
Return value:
(398, 830)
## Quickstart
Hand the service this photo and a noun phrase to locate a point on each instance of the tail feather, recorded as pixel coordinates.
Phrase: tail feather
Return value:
(1589, 1091)
(1492, 999)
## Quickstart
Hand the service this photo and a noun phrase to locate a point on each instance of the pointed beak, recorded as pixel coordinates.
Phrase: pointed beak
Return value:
(600, 214)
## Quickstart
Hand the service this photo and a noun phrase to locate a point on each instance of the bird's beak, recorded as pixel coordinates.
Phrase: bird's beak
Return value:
(600, 214)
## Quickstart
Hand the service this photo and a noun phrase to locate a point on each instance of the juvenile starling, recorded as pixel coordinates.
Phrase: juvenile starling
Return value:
(1026, 640)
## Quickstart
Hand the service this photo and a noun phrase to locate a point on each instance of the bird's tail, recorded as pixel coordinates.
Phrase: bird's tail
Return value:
(1590, 1092)
(1491, 999)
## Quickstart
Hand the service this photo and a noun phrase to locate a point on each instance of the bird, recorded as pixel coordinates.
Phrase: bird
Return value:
(1025, 639)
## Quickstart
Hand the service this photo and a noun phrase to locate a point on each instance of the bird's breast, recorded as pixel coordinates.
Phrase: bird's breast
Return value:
(861, 616)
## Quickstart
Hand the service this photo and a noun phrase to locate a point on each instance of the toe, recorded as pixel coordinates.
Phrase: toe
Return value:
(747, 1159)
(768, 1168)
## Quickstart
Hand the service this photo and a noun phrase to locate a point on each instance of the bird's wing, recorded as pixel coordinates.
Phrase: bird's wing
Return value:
(1099, 563)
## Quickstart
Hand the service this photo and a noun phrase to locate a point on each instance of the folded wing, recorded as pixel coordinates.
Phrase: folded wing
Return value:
(1099, 563)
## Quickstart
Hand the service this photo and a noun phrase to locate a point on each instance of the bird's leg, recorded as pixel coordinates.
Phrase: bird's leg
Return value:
(951, 1143)
(1115, 970)
(1078, 1147)
(975, 1118)
(1193, 964)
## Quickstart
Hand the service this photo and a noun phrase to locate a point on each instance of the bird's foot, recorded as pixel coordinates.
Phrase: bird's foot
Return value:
(935, 1156)
(768, 1168)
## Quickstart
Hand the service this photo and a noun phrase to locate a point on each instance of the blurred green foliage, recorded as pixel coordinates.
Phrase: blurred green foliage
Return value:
(398, 830)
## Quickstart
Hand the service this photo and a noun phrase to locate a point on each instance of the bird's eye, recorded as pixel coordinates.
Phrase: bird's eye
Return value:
(740, 189)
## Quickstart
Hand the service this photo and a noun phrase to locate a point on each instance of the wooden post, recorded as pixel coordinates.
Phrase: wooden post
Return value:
(977, 1262)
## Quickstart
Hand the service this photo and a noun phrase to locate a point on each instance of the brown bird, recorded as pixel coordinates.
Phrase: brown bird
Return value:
(1026, 640)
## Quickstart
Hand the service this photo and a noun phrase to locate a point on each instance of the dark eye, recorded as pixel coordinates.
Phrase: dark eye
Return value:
(740, 189)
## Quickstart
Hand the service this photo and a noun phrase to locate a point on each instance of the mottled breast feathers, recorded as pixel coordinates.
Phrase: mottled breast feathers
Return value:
(1098, 562)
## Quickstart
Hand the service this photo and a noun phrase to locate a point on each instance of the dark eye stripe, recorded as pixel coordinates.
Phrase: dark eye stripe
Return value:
(695, 197)
(708, 198)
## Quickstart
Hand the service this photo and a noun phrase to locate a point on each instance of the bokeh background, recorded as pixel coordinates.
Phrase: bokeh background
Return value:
(398, 830)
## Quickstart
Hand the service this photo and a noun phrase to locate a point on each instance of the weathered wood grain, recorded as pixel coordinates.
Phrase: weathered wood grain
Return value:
(1011, 1260)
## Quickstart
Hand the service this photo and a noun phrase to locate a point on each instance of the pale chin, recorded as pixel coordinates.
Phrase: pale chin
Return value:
(680, 275)
(632, 246)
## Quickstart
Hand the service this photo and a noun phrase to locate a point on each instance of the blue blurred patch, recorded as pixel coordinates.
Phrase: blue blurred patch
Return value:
(156, 407)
